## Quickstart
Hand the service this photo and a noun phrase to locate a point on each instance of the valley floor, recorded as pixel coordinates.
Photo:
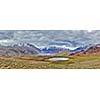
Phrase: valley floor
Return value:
(42, 62)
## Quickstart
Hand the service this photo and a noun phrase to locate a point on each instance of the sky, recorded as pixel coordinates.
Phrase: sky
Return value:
(41, 38)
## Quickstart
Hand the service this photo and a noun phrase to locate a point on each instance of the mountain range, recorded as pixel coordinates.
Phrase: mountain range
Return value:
(19, 49)
(29, 49)
(16, 42)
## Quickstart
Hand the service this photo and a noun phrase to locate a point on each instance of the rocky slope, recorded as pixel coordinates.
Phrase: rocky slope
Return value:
(93, 50)
(19, 49)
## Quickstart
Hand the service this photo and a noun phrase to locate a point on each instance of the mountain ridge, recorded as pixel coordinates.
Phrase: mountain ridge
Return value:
(92, 50)
(19, 49)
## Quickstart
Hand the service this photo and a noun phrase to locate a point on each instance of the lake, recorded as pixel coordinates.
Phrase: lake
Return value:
(58, 59)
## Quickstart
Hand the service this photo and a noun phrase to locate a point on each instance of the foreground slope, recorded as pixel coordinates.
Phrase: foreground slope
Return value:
(32, 62)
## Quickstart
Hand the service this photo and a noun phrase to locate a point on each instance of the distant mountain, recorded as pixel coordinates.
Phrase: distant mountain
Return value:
(30, 49)
(92, 50)
(19, 49)
(52, 50)
(63, 53)
(79, 49)
(56, 49)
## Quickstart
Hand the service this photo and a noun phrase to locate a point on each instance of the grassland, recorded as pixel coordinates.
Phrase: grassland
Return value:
(42, 62)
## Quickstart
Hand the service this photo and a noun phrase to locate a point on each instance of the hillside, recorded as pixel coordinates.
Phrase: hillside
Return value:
(93, 50)
(22, 49)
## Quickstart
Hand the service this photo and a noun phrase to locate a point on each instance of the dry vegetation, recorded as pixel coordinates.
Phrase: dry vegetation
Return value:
(42, 62)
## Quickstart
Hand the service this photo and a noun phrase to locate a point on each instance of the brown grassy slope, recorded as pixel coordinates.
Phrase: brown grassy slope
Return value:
(31, 62)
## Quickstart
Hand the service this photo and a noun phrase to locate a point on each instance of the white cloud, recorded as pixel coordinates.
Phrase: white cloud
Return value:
(72, 38)
(89, 30)
(6, 41)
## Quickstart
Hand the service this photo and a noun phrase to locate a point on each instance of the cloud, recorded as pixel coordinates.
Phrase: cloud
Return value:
(6, 41)
(69, 38)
